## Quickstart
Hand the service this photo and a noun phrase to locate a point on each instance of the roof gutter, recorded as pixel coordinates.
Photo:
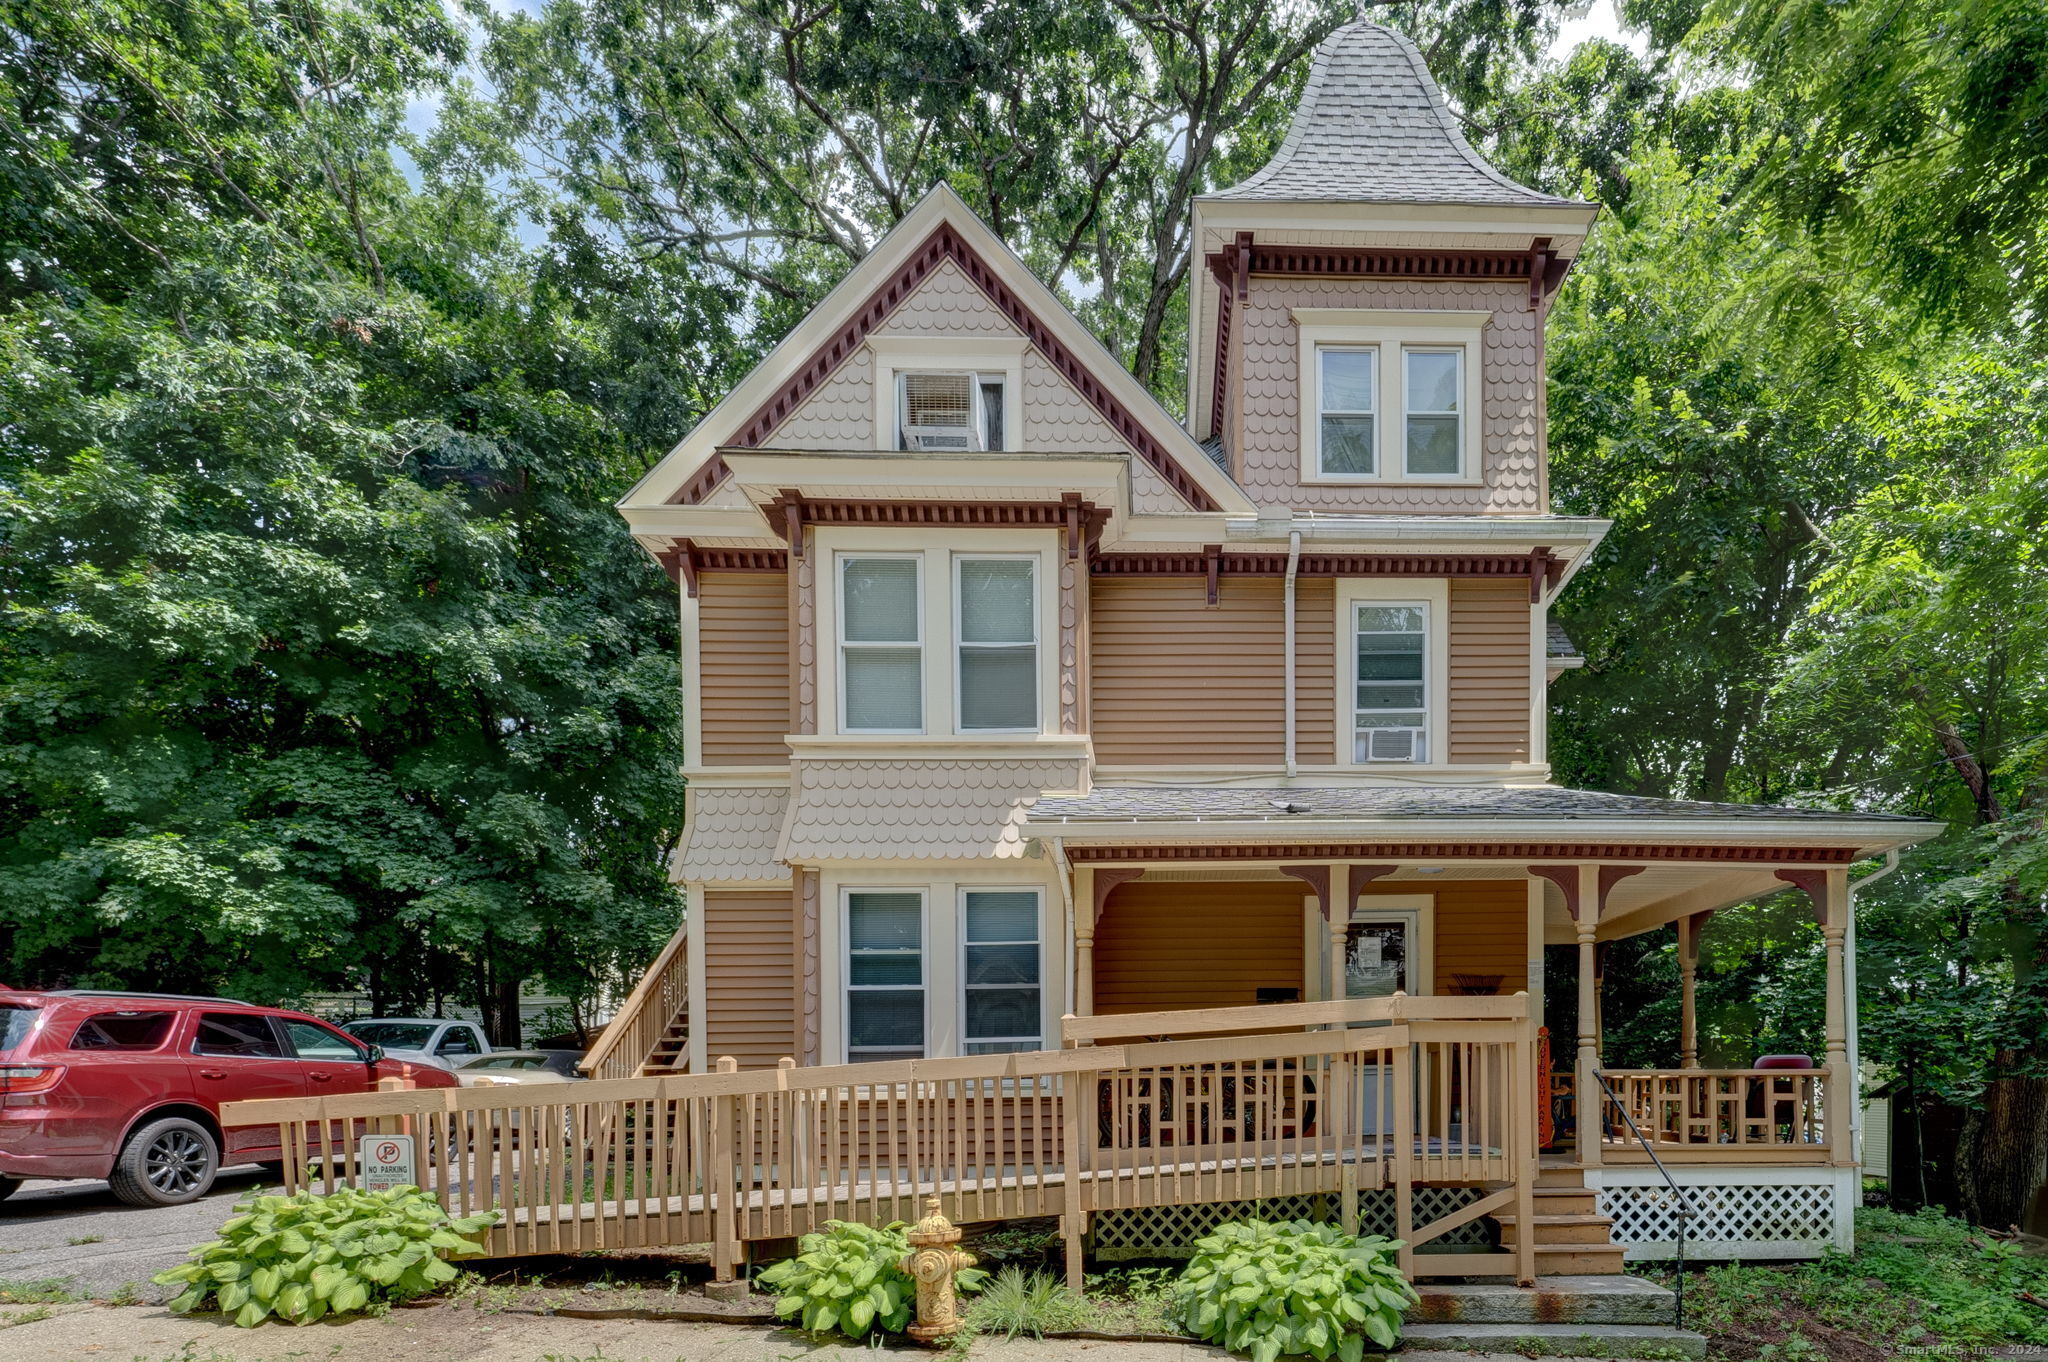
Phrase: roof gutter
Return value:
(1316, 527)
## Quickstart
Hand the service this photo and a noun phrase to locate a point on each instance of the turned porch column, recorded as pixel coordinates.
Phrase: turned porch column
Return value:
(1087, 912)
(1828, 891)
(1689, 928)
(1591, 1106)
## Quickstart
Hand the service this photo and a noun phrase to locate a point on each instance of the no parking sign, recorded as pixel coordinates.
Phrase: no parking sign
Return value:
(387, 1161)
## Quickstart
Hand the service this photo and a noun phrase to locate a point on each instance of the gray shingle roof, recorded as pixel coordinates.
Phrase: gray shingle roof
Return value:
(1372, 126)
(1176, 803)
(1558, 644)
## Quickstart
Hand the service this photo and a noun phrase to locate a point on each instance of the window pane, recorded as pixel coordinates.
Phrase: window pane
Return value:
(996, 601)
(232, 1033)
(1432, 444)
(1390, 619)
(1002, 964)
(884, 688)
(991, 414)
(884, 921)
(892, 1018)
(1002, 915)
(313, 1042)
(1347, 444)
(1348, 380)
(122, 1031)
(1002, 1012)
(938, 399)
(1433, 380)
(999, 687)
(881, 600)
(868, 969)
(1389, 657)
(1390, 697)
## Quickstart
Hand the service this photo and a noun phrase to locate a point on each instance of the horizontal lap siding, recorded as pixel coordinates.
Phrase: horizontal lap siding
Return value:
(1490, 664)
(743, 667)
(749, 977)
(1177, 945)
(1175, 681)
(1315, 671)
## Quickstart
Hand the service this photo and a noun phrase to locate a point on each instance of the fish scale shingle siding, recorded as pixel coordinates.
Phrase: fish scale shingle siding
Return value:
(743, 667)
(1491, 662)
(1511, 391)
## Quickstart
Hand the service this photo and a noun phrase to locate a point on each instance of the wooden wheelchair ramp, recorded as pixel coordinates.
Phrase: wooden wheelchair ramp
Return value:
(1435, 1091)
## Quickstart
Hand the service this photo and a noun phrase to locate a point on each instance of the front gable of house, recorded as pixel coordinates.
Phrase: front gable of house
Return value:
(944, 306)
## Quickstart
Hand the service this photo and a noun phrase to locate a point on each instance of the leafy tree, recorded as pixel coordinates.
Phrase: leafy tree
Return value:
(325, 661)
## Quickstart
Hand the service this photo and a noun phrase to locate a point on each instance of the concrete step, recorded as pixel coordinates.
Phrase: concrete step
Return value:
(1553, 1300)
(1577, 1228)
(1556, 1340)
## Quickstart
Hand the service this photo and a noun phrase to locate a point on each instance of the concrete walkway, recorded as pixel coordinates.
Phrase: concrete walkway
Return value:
(460, 1333)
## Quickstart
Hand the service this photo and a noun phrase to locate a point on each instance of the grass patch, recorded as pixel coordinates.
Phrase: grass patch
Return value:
(1917, 1279)
(1133, 1300)
(32, 1315)
(1037, 1304)
(39, 1291)
(82, 1240)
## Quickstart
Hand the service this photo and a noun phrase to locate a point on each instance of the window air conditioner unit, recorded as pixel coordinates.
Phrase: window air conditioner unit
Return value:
(939, 412)
(1393, 744)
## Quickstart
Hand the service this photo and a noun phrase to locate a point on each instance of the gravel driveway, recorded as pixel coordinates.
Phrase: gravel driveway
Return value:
(78, 1233)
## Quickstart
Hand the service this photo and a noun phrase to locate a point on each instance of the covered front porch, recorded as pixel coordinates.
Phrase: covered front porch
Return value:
(1190, 898)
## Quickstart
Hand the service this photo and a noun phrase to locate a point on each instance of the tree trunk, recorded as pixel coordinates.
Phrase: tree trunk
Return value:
(2002, 1159)
(506, 1032)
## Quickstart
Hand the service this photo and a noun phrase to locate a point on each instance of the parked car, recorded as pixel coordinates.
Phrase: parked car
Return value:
(430, 1040)
(128, 1086)
(520, 1067)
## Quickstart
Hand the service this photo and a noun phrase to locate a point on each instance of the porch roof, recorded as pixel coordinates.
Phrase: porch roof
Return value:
(1467, 813)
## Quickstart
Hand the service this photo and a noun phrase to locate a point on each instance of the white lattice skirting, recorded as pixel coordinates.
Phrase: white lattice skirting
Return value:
(1736, 1212)
(1170, 1231)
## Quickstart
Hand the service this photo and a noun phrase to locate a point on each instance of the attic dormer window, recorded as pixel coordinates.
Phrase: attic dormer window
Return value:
(949, 411)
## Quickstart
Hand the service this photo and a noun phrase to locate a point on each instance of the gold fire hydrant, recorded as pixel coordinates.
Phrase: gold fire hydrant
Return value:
(933, 1260)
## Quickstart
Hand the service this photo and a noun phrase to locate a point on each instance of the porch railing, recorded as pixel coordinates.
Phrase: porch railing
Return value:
(1723, 1113)
(641, 1022)
(1440, 1092)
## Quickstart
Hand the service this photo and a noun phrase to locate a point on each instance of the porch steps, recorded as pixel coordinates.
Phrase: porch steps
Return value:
(1571, 1236)
(671, 1052)
(1563, 1316)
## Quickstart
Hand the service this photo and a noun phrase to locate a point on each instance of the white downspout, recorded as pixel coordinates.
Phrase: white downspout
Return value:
(1293, 563)
(1891, 863)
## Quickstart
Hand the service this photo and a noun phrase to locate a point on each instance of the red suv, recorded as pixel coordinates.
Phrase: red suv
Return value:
(128, 1086)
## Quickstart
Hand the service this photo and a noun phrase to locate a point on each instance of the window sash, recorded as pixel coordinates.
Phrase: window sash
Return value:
(1419, 420)
(1329, 416)
(979, 661)
(989, 1042)
(858, 996)
(870, 661)
(978, 414)
(1396, 711)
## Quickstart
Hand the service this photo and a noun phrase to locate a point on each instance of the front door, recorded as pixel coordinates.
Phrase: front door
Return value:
(1381, 952)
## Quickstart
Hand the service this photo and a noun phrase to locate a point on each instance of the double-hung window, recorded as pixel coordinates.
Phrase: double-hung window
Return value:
(998, 643)
(1390, 708)
(1001, 971)
(1434, 438)
(884, 975)
(881, 645)
(1347, 383)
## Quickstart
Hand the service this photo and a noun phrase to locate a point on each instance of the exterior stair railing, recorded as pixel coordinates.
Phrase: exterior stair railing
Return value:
(1684, 1211)
(629, 1039)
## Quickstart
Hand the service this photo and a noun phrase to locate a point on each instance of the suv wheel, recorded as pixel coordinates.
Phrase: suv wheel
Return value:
(166, 1163)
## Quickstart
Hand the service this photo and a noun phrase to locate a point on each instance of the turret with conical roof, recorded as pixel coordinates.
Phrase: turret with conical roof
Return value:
(1366, 333)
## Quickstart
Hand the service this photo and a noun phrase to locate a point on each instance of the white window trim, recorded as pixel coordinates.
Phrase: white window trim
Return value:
(960, 984)
(845, 962)
(948, 354)
(839, 641)
(1434, 597)
(1037, 641)
(1391, 332)
(936, 614)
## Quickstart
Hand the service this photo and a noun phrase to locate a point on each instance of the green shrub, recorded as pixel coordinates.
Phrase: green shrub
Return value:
(1293, 1288)
(849, 1278)
(1038, 1304)
(301, 1257)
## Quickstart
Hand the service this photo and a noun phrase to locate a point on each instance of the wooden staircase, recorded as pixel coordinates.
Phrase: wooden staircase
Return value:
(650, 1033)
(1572, 1238)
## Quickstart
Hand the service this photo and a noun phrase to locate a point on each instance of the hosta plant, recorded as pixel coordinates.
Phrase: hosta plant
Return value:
(1298, 1287)
(307, 1256)
(850, 1279)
